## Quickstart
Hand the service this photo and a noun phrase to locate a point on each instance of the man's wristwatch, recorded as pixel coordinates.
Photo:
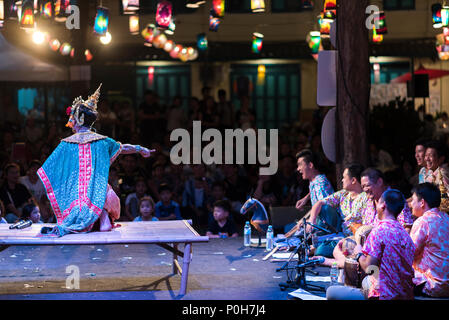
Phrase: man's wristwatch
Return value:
(357, 257)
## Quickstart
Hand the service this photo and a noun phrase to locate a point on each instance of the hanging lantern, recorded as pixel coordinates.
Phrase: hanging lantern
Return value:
(214, 23)
(201, 42)
(2, 13)
(72, 53)
(163, 14)
(377, 38)
(325, 25)
(106, 39)
(60, 10)
(130, 6)
(101, 21)
(47, 9)
(379, 20)
(148, 34)
(218, 8)
(445, 16)
(183, 55)
(169, 45)
(54, 44)
(88, 55)
(192, 53)
(134, 25)
(160, 40)
(194, 4)
(57, 7)
(257, 6)
(175, 52)
(65, 49)
(314, 41)
(27, 16)
(436, 15)
(330, 5)
(171, 27)
(257, 42)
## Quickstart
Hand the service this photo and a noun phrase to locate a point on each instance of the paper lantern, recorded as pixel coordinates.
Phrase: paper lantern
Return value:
(183, 55)
(163, 14)
(218, 8)
(193, 55)
(46, 9)
(175, 52)
(330, 5)
(201, 41)
(436, 15)
(148, 34)
(57, 7)
(379, 20)
(169, 45)
(314, 41)
(88, 55)
(377, 38)
(160, 40)
(60, 10)
(134, 25)
(101, 21)
(325, 25)
(65, 49)
(130, 6)
(72, 53)
(54, 44)
(194, 4)
(171, 27)
(2, 13)
(214, 23)
(445, 16)
(257, 42)
(257, 6)
(27, 15)
(106, 39)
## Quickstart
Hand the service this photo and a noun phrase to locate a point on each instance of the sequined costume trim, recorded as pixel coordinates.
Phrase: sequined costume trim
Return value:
(84, 137)
(51, 195)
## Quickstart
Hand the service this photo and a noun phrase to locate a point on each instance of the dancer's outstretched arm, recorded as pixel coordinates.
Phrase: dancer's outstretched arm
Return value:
(129, 148)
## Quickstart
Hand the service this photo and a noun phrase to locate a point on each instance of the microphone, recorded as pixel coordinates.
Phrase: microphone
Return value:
(311, 263)
(319, 228)
(22, 224)
(13, 226)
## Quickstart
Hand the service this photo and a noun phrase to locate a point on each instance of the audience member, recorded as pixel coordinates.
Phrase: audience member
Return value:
(166, 208)
(31, 212)
(222, 225)
(146, 210)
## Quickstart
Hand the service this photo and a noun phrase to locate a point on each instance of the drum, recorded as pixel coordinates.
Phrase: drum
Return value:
(353, 273)
(362, 234)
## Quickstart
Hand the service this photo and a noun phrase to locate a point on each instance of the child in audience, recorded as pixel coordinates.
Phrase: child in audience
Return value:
(167, 209)
(222, 226)
(31, 212)
(146, 210)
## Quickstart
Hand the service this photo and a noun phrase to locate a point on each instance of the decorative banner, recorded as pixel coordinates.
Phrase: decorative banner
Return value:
(257, 6)
(47, 9)
(2, 13)
(134, 25)
(380, 19)
(101, 21)
(27, 16)
(436, 15)
(257, 42)
(163, 14)
(130, 6)
(218, 8)
(314, 41)
(201, 42)
(214, 23)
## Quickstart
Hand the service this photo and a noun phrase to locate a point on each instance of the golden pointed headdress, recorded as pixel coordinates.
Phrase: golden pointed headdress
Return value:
(90, 103)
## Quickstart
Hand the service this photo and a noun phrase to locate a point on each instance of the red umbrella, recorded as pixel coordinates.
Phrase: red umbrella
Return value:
(433, 74)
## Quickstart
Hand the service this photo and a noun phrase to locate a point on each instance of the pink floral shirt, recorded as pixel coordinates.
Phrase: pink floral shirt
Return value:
(392, 246)
(430, 233)
(342, 200)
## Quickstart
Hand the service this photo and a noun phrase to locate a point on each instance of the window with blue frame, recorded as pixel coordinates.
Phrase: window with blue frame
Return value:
(274, 96)
(150, 6)
(399, 4)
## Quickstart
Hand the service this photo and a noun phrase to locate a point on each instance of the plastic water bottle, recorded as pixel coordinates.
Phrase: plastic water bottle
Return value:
(334, 273)
(270, 237)
(247, 235)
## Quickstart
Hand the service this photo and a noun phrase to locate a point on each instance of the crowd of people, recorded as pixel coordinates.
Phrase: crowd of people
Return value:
(396, 197)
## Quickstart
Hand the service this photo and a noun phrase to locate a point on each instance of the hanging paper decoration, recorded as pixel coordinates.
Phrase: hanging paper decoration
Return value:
(257, 6)
(88, 55)
(176, 51)
(193, 55)
(214, 23)
(27, 16)
(54, 44)
(330, 5)
(148, 34)
(218, 8)
(171, 27)
(379, 20)
(169, 45)
(377, 38)
(2, 13)
(314, 41)
(47, 9)
(257, 42)
(160, 40)
(194, 4)
(183, 55)
(163, 14)
(130, 6)
(72, 53)
(436, 15)
(202, 42)
(101, 21)
(325, 25)
(106, 39)
(65, 49)
(445, 16)
(60, 10)
(134, 25)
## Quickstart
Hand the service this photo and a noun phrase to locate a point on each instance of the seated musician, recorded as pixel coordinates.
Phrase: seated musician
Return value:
(430, 233)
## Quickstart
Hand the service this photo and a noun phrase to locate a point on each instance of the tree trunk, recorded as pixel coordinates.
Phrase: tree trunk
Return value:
(353, 84)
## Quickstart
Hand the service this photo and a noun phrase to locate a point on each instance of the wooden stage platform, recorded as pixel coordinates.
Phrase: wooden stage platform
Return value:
(166, 234)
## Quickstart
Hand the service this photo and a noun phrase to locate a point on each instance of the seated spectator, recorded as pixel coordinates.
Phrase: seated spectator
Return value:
(31, 212)
(14, 194)
(429, 234)
(132, 200)
(222, 226)
(166, 208)
(36, 187)
(146, 210)
(2, 212)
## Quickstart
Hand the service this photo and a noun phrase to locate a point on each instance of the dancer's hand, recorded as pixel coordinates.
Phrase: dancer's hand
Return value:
(146, 153)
